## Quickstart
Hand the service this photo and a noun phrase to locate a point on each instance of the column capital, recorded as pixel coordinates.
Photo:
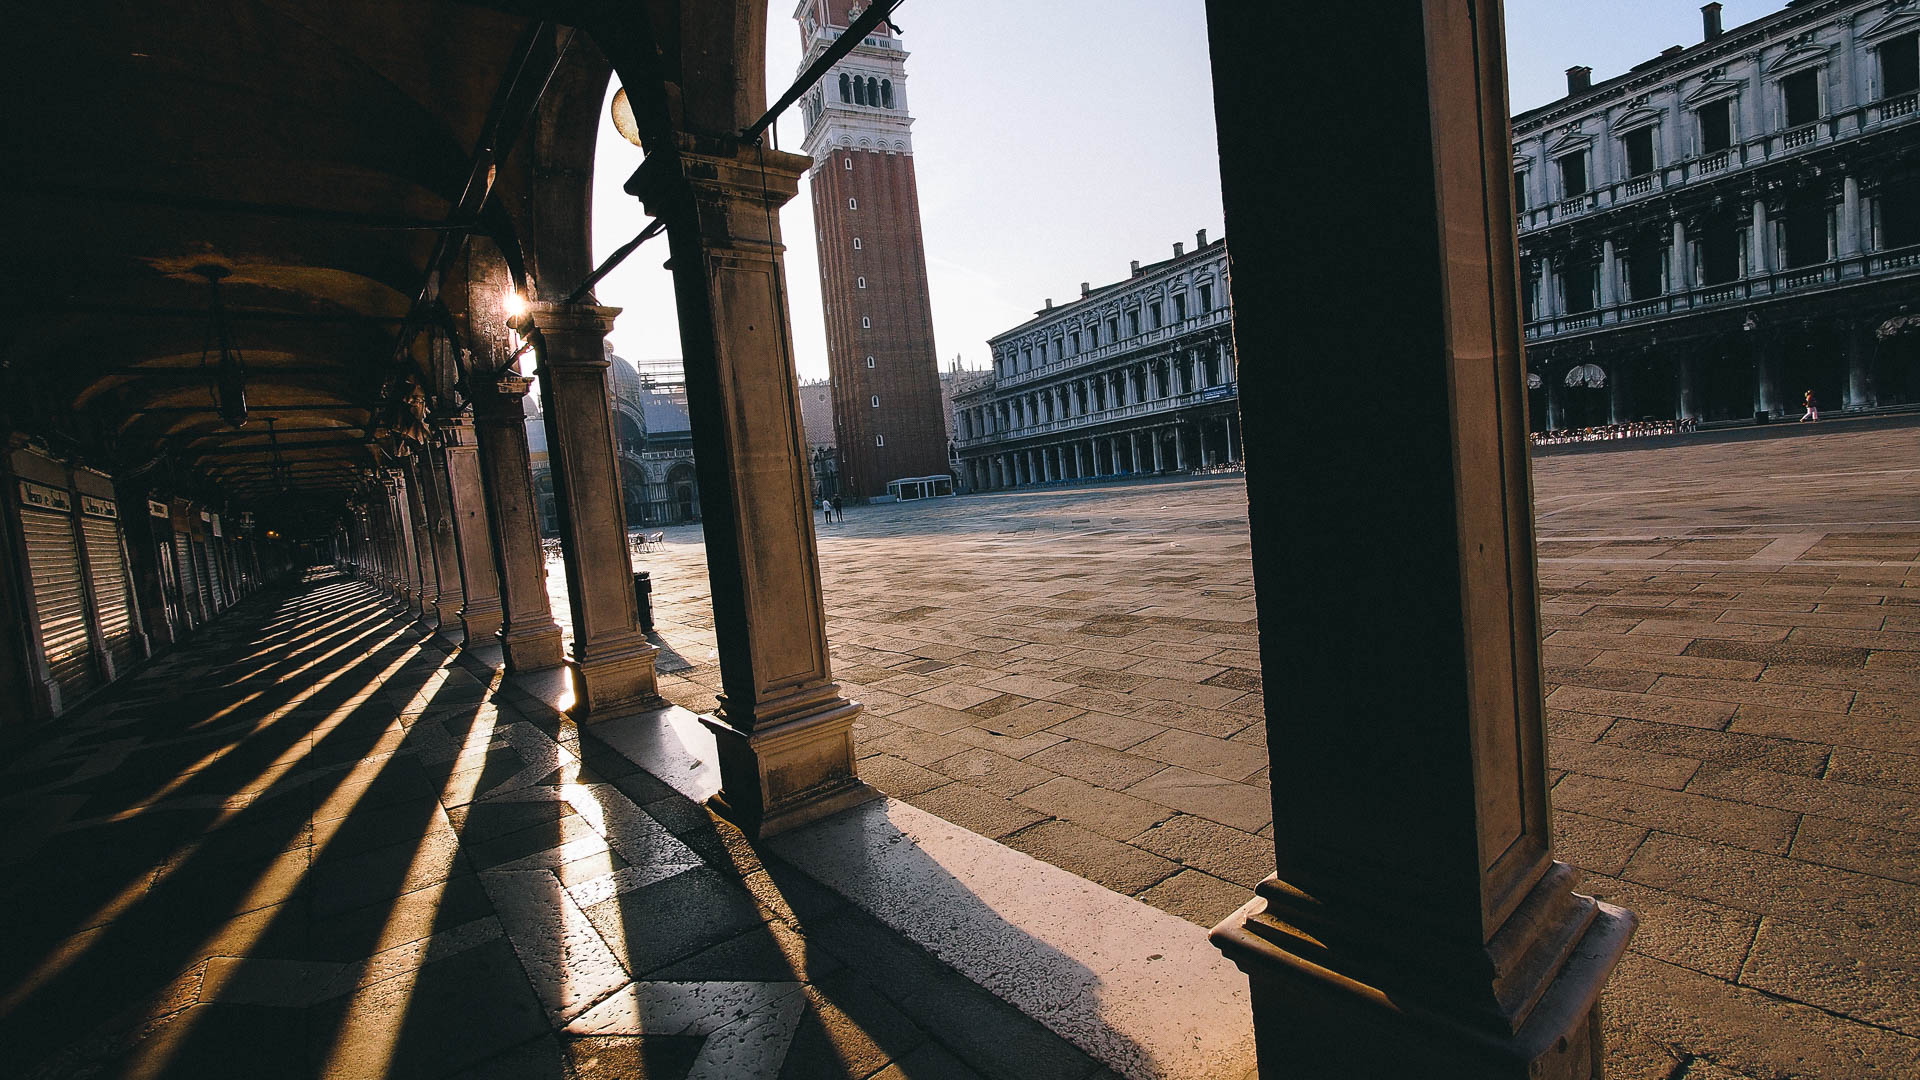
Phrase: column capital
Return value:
(455, 430)
(552, 315)
(714, 170)
(497, 398)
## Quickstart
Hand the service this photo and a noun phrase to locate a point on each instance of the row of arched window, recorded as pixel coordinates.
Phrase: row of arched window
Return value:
(869, 91)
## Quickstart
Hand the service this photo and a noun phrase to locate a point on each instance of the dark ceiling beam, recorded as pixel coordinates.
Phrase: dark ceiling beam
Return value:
(255, 371)
(230, 208)
(278, 406)
(286, 448)
(187, 438)
(199, 314)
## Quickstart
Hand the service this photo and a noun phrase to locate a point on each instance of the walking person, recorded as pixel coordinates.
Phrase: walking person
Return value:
(1813, 408)
(839, 510)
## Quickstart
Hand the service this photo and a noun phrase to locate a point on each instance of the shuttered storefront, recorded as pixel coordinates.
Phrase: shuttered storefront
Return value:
(209, 576)
(109, 572)
(189, 580)
(53, 561)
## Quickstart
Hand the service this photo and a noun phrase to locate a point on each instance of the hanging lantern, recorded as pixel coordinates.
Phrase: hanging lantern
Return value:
(230, 375)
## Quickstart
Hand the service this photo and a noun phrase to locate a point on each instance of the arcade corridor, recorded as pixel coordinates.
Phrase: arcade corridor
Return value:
(316, 844)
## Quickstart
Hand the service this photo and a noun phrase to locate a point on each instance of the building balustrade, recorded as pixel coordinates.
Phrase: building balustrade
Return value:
(1219, 316)
(1094, 419)
(1899, 261)
(1751, 154)
(1803, 135)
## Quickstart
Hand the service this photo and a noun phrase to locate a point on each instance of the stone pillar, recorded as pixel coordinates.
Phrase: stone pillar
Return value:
(1859, 338)
(1848, 245)
(1232, 453)
(393, 574)
(1608, 295)
(1689, 405)
(529, 638)
(1678, 280)
(1767, 396)
(611, 654)
(1619, 405)
(1179, 448)
(1549, 289)
(1159, 455)
(1133, 451)
(1046, 463)
(422, 542)
(1417, 923)
(449, 590)
(1556, 398)
(417, 573)
(472, 531)
(1762, 240)
(785, 732)
(404, 562)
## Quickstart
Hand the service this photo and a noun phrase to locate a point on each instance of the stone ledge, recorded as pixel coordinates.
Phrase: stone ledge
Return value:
(1140, 990)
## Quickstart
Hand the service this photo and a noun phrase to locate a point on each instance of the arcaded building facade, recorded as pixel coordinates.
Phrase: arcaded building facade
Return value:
(1133, 378)
(885, 372)
(1728, 225)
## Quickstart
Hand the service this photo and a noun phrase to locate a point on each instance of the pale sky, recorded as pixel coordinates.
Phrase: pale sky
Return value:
(1048, 158)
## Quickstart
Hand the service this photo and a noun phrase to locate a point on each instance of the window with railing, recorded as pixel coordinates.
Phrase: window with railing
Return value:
(1719, 252)
(1580, 287)
(1803, 232)
(1573, 174)
(1638, 145)
(1645, 264)
(1800, 97)
(1900, 67)
(1897, 215)
(1716, 126)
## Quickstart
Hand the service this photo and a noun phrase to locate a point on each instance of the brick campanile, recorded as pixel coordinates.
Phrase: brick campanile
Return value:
(873, 266)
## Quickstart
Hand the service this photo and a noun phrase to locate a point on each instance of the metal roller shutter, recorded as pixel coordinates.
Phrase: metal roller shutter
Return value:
(54, 562)
(200, 578)
(210, 558)
(109, 572)
(189, 580)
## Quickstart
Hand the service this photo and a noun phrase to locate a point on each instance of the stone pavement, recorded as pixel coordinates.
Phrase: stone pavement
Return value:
(314, 843)
(1732, 652)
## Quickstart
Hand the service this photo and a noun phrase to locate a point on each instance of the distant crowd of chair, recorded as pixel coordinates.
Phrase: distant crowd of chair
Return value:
(1633, 430)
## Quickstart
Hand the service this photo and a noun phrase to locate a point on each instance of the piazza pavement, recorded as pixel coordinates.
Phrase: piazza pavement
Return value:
(1731, 644)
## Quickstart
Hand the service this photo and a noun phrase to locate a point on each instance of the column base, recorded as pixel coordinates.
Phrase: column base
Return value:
(788, 773)
(535, 648)
(448, 612)
(616, 678)
(1313, 1021)
(482, 625)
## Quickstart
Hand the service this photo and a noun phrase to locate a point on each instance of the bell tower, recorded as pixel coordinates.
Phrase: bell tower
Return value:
(873, 267)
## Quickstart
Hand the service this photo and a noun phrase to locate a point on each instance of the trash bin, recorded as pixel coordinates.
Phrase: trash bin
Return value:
(643, 598)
